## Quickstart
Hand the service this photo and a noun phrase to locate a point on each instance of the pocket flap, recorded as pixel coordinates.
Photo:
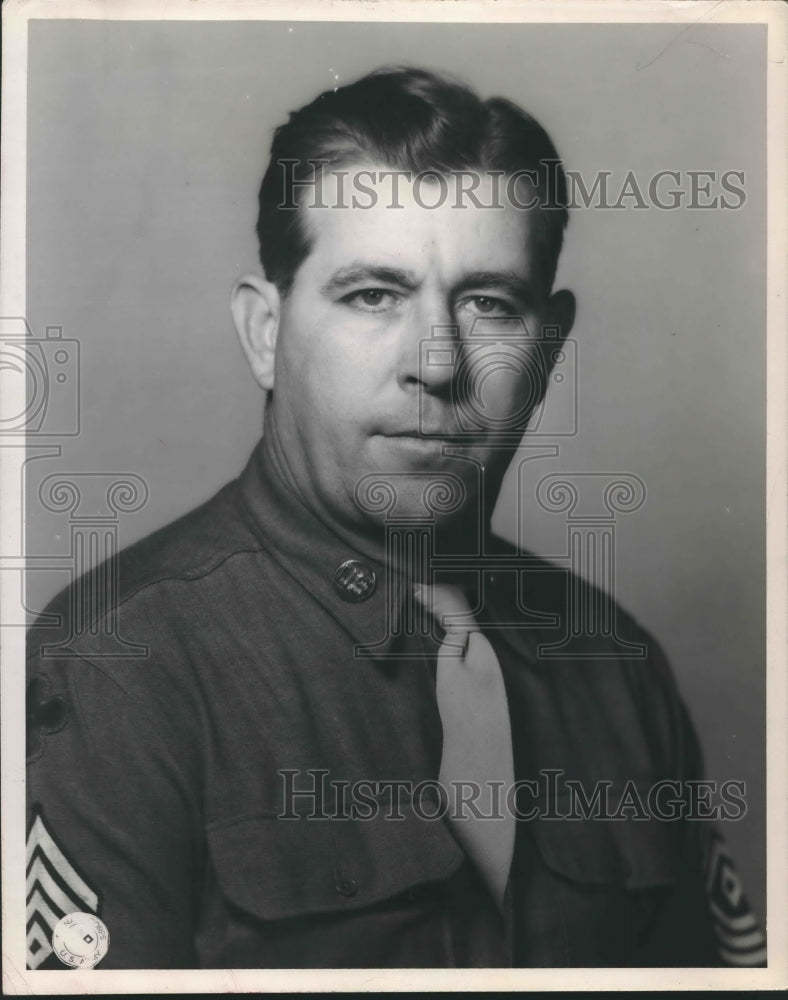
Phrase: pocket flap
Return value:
(276, 868)
(631, 853)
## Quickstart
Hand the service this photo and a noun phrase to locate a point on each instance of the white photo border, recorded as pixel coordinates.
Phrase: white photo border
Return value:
(16, 980)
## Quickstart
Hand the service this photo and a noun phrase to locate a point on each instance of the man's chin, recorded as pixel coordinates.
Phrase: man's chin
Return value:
(419, 491)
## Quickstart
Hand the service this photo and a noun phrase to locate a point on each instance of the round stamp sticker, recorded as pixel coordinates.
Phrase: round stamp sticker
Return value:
(80, 940)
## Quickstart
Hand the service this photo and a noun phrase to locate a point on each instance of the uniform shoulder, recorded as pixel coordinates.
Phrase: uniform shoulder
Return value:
(186, 549)
(190, 546)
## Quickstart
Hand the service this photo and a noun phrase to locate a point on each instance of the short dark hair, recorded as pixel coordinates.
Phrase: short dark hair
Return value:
(407, 119)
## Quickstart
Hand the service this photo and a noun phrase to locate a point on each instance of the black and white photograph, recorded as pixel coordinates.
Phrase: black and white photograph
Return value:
(393, 475)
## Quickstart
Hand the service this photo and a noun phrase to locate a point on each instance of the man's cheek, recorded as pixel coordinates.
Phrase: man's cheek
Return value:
(499, 390)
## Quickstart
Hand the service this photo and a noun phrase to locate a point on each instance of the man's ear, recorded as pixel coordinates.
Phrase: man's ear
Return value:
(561, 309)
(559, 314)
(255, 305)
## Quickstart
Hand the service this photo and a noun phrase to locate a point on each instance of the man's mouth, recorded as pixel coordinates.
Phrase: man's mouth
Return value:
(424, 431)
(423, 434)
(435, 444)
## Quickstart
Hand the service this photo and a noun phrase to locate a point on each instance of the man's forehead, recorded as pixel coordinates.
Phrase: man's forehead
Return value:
(371, 210)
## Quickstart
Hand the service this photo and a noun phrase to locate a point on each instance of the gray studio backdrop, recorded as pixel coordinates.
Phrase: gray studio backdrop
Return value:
(146, 143)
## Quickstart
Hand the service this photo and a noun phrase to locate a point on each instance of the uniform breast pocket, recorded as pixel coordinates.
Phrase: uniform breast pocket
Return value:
(323, 893)
(589, 890)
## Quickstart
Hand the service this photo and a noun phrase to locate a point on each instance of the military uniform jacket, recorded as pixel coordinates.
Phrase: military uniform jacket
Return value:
(170, 723)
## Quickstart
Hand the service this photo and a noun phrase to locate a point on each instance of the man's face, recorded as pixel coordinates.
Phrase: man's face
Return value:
(353, 392)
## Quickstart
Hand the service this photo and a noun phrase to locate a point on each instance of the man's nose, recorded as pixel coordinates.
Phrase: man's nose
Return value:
(429, 346)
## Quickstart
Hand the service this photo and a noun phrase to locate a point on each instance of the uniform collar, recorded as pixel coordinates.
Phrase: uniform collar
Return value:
(363, 597)
(334, 566)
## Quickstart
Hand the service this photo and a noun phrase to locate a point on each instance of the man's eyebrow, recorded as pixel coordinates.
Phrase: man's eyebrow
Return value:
(359, 271)
(506, 281)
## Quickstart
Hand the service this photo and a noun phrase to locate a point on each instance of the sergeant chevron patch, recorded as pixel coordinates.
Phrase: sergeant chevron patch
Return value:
(740, 941)
(54, 889)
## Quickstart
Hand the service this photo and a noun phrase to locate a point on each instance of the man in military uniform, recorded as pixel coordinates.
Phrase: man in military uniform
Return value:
(337, 633)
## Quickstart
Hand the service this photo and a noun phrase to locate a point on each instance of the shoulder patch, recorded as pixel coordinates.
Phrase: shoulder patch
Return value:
(54, 889)
(45, 714)
(740, 940)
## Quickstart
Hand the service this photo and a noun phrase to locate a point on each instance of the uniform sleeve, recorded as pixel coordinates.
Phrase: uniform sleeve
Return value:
(111, 812)
(706, 920)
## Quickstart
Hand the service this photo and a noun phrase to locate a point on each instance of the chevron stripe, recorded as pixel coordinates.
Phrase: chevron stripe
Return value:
(740, 940)
(39, 946)
(40, 877)
(742, 924)
(750, 960)
(54, 889)
(40, 842)
(40, 910)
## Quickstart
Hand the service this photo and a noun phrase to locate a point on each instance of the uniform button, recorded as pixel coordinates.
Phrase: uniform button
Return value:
(354, 581)
(347, 886)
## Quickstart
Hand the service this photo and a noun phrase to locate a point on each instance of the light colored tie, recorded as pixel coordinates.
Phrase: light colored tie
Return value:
(477, 736)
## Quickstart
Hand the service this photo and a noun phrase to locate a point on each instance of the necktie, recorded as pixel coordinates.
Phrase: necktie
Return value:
(477, 738)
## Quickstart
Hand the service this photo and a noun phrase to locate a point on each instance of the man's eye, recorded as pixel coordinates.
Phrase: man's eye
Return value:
(371, 299)
(487, 305)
